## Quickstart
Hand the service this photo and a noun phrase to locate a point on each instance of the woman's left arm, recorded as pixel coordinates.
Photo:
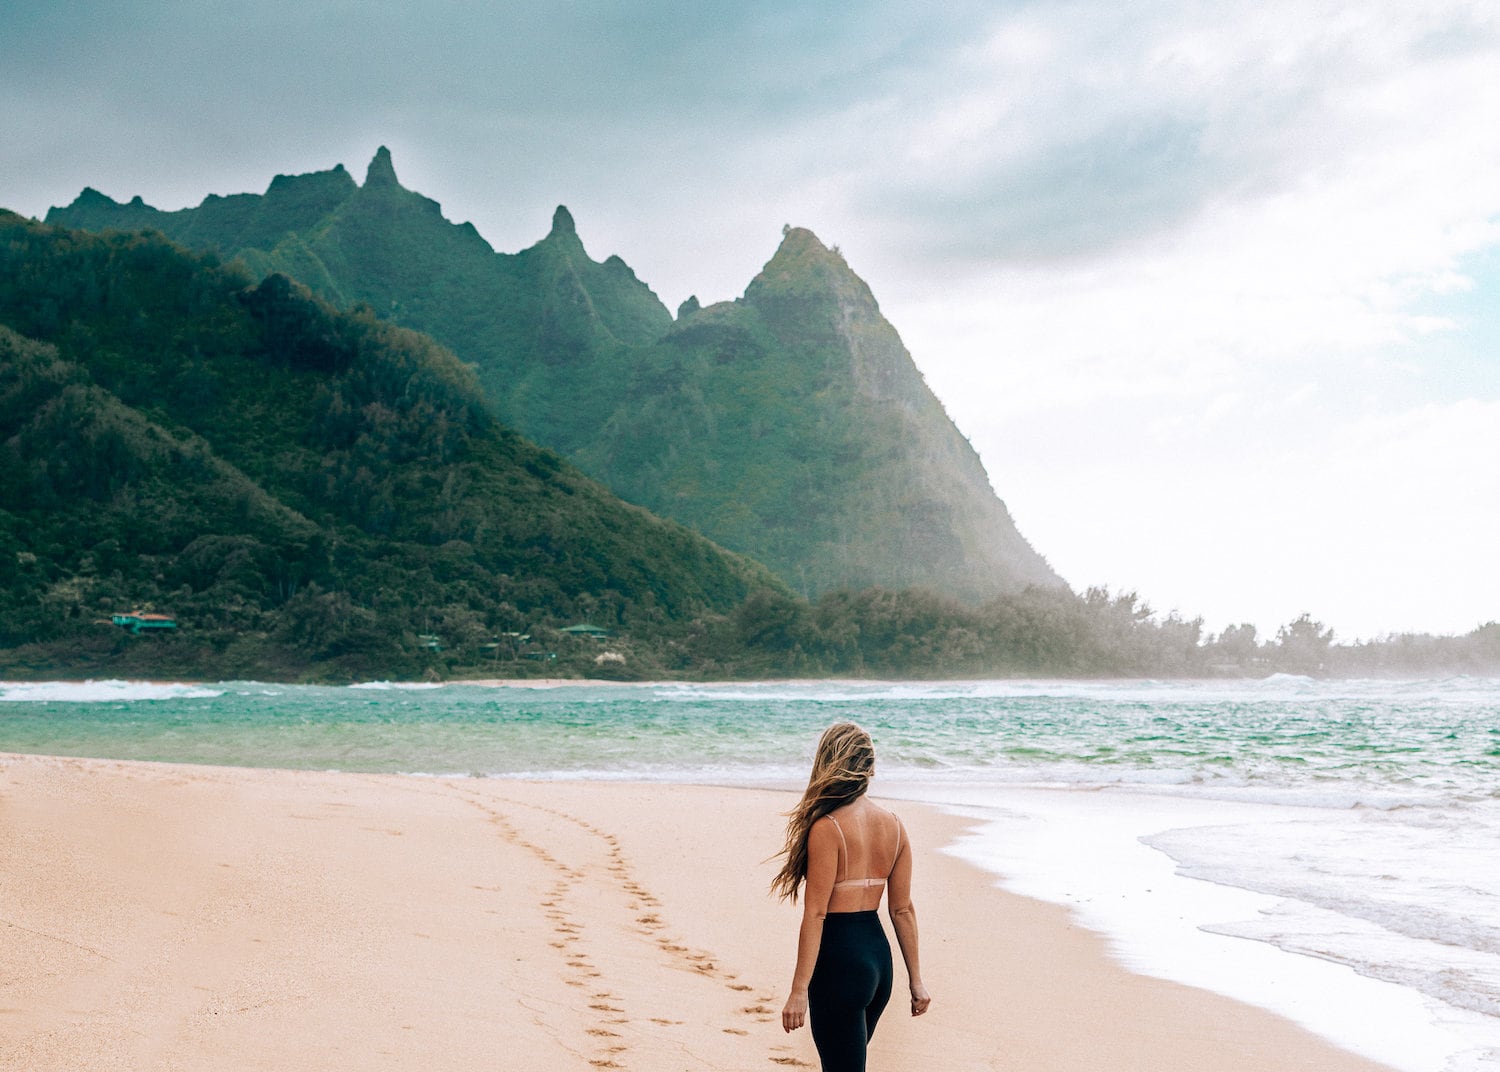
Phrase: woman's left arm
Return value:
(822, 867)
(904, 922)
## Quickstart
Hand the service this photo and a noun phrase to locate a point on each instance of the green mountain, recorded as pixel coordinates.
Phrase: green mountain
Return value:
(306, 487)
(790, 425)
(794, 422)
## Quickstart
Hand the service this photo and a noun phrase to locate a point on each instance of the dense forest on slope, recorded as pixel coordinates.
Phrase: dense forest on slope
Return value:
(305, 487)
(790, 425)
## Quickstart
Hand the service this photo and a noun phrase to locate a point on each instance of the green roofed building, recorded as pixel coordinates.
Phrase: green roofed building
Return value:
(584, 629)
(136, 621)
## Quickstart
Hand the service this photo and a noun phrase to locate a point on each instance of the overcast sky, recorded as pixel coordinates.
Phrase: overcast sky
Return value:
(1213, 288)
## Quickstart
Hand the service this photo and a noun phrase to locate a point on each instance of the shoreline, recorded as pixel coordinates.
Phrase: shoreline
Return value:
(1094, 852)
(229, 917)
(706, 683)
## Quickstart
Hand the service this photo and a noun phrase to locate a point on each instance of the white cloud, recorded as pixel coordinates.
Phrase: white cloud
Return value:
(1387, 523)
(1227, 402)
(1171, 265)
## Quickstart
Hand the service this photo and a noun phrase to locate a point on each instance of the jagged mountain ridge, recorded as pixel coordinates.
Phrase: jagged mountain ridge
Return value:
(790, 424)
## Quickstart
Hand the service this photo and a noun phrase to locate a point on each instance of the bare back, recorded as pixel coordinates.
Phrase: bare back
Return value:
(871, 846)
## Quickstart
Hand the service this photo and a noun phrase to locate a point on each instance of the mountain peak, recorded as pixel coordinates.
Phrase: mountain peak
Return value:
(381, 171)
(91, 196)
(801, 252)
(799, 240)
(328, 186)
(562, 222)
(804, 269)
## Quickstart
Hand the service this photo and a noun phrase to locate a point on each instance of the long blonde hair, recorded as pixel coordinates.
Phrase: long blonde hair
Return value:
(841, 772)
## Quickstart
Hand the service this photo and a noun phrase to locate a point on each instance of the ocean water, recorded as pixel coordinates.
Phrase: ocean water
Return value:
(1324, 849)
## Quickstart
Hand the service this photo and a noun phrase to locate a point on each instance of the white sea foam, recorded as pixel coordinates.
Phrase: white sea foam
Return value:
(1395, 959)
(1410, 889)
(111, 691)
(1275, 687)
(398, 686)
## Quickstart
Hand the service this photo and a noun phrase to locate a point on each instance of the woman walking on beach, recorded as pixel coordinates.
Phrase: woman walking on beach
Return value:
(848, 851)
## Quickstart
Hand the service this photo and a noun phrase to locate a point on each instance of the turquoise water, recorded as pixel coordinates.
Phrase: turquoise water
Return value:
(1338, 826)
(1285, 733)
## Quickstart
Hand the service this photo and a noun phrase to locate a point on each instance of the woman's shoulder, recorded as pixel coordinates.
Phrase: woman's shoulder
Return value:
(894, 820)
(825, 826)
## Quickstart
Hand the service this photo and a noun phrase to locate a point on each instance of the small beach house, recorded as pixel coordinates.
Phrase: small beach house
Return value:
(586, 631)
(136, 621)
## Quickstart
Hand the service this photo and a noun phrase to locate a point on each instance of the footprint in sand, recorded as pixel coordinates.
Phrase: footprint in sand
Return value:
(639, 900)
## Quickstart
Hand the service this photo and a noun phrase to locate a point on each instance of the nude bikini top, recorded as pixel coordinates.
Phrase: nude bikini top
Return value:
(849, 883)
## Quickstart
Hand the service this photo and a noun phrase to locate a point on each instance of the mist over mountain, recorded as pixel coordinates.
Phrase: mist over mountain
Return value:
(790, 425)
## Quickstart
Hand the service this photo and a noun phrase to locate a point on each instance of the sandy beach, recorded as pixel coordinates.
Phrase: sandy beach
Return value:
(178, 917)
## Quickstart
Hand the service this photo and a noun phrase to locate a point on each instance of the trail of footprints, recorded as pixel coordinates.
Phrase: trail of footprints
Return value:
(581, 972)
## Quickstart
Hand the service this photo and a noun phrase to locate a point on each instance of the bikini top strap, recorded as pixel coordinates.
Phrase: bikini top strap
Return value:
(842, 842)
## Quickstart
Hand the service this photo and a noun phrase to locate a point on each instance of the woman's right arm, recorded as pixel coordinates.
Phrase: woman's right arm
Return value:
(904, 922)
(822, 867)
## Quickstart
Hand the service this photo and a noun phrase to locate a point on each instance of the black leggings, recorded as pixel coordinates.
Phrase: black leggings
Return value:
(850, 985)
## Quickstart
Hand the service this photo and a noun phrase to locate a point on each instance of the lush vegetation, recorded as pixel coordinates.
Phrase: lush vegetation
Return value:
(309, 492)
(1047, 632)
(791, 425)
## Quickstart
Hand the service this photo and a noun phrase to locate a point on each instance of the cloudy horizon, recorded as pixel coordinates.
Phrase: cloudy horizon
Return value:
(1211, 289)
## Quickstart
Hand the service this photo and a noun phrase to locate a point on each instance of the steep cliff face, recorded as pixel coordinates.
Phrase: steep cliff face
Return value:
(949, 529)
(791, 425)
(794, 425)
